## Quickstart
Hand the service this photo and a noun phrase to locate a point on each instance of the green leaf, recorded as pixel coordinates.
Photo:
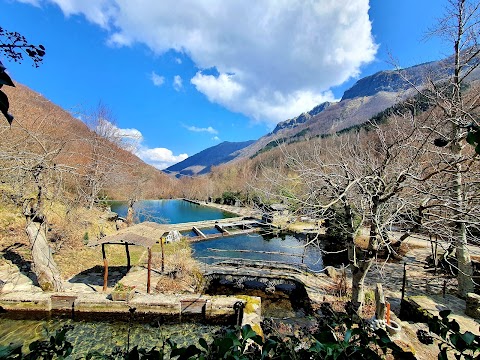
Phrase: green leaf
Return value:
(443, 355)
(348, 335)
(444, 313)
(133, 354)
(454, 326)
(224, 345)
(248, 332)
(325, 337)
(468, 337)
(203, 343)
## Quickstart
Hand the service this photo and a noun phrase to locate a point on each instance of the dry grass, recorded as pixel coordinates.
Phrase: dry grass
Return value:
(74, 261)
(66, 235)
(181, 273)
(14, 244)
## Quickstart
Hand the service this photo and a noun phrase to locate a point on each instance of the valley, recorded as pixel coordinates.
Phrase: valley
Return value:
(347, 231)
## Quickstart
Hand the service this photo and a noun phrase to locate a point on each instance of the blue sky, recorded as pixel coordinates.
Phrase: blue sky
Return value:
(185, 75)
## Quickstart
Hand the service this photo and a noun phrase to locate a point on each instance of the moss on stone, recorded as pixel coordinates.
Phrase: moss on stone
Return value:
(251, 303)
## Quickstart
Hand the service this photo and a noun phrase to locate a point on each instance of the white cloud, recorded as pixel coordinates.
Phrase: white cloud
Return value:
(100, 12)
(221, 89)
(131, 134)
(177, 82)
(157, 79)
(197, 129)
(161, 158)
(31, 2)
(216, 138)
(275, 58)
(129, 139)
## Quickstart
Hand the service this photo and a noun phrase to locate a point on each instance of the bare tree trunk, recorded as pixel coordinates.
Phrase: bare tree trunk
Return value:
(44, 265)
(465, 271)
(130, 212)
(359, 273)
(358, 265)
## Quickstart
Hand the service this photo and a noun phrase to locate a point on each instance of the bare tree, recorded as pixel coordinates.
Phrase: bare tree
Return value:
(101, 162)
(366, 177)
(30, 158)
(455, 111)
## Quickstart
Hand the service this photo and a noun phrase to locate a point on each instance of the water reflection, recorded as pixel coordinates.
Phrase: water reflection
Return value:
(284, 248)
(169, 211)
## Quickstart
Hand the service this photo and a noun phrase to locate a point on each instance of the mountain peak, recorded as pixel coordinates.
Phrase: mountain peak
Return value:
(395, 80)
(302, 118)
(202, 162)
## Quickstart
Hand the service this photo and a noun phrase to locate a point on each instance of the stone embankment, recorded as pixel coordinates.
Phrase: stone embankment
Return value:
(92, 306)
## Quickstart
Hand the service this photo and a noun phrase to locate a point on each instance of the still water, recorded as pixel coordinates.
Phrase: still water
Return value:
(103, 337)
(293, 248)
(169, 211)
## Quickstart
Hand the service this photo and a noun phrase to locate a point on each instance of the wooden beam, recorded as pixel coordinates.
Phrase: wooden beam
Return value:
(149, 272)
(163, 254)
(128, 256)
(105, 268)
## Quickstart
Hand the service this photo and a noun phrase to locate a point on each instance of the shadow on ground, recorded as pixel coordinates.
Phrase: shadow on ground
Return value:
(25, 266)
(94, 275)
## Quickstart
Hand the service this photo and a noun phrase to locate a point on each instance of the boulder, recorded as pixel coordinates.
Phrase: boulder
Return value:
(472, 305)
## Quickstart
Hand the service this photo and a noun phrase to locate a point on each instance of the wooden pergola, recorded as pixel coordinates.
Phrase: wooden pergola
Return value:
(145, 234)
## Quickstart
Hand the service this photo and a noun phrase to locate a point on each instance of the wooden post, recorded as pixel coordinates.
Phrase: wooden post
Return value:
(304, 251)
(128, 256)
(149, 269)
(105, 268)
(388, 313)
(163, 254)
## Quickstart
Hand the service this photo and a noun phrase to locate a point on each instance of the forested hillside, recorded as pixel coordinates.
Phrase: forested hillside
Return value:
(90, 161)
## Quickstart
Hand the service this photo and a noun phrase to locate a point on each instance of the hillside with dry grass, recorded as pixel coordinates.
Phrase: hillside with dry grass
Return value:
(47, 125)
(48, 156)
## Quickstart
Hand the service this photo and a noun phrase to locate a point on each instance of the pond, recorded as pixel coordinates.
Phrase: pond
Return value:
(169, 211)
(103, 336)
(291, 246)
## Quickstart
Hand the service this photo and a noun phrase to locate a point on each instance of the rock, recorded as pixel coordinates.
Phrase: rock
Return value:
(376, 324)
(173, 236)
(109, 216)
(120, 224)
(270, 290)
(472, 307)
